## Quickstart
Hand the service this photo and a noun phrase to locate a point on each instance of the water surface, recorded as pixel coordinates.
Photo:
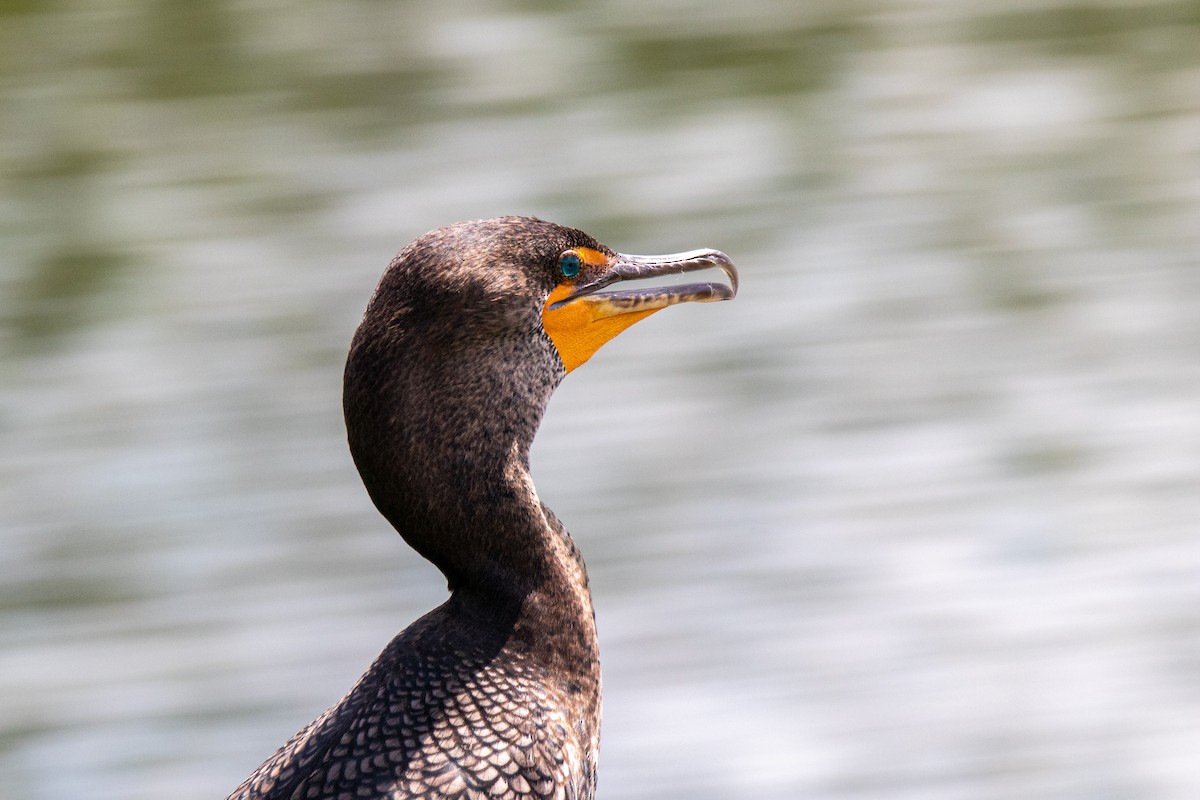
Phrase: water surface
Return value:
(914, 517)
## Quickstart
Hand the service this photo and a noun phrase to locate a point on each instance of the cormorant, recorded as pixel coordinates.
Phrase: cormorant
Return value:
(496, 693)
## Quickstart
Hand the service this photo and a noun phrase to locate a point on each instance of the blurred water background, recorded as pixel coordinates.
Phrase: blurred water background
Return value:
(917, 516)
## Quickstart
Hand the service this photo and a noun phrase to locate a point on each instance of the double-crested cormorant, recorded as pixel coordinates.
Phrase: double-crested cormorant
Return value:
(495, 693)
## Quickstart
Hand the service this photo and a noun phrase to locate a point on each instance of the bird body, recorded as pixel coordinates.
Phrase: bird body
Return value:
(495, 693)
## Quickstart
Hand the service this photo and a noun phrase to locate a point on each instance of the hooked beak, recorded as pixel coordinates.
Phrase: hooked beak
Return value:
(623, 267)
(580, 318)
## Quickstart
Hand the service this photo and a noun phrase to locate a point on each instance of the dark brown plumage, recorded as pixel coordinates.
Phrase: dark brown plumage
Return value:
(496, 693)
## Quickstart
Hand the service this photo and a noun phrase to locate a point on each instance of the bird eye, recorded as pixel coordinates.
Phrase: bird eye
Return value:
(569, 264)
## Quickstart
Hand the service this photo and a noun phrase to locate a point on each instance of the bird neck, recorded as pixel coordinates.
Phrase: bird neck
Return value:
(442, 443)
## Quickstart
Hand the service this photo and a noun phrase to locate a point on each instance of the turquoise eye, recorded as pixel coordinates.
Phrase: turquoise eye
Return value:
(569, 264)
